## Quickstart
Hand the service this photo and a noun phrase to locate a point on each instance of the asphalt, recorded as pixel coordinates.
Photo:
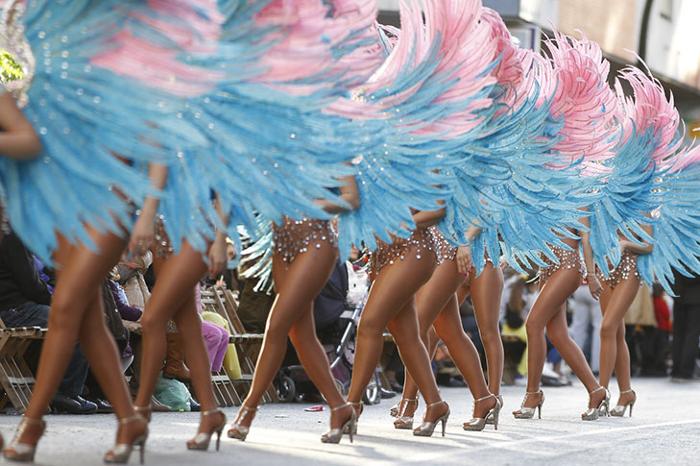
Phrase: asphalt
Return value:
(665, 430)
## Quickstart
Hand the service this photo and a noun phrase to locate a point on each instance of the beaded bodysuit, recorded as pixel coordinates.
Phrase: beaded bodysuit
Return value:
(444, 251)
(568, 259)
(625, 269)
(296, 237)
(420, 240)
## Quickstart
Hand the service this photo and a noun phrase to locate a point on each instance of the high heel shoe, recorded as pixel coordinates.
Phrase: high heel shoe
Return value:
(526, 412)
(121, 452)
(477, 424)
(349, 427)
(202, 440)
(237, 430)
(21, 452)
(489, 418)
(427, 428)
(402, 421)
(619, 410)
(592, 414)
(358, 408)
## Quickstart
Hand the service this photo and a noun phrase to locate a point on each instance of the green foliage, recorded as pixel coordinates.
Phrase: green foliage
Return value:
(10, 70)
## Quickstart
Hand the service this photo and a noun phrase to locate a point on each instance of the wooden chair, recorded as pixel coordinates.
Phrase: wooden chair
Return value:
(16, 377)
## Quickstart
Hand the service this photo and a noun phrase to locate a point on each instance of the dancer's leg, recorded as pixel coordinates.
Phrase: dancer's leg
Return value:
(486, 290)
(548, 304)
(391, 292)
(173, 294)
(313, 357)
(612, 331)
(297, 286)
(81, 270)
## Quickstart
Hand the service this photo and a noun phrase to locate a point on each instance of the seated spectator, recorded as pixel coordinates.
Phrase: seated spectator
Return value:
(25, 302)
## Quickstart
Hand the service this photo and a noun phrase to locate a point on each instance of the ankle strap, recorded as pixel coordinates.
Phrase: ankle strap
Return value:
(627, 391)
(597, 390)
(436, 403)
(538, 392)
(32, 421)
(483, 398)
(344, 405)
(130, 419)
(209, 412)
(143, 409)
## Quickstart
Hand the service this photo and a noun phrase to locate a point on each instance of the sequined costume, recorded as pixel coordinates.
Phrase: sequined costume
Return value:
(625, 269)
(296, 237)
(568, 259)
(444, 251)
(421, 241)
(162, 246)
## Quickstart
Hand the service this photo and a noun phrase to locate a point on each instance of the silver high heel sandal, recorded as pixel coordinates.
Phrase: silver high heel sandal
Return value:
(202, 440)
(402, 421)
(593, 414)
(489, 418)
(238, 431)
(121, 453)
(23, 452)
(427, 428)
(477, 424)
(525, 412)
(619, 410)
(334, 435)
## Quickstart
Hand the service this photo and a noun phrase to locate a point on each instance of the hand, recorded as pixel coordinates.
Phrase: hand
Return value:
(464, 259)
(217, 256)
(141, 236)
(594, 286)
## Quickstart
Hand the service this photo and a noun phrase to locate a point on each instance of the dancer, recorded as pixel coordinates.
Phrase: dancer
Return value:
(304, 253)
(559, 278)
(85, 232)
(437, 307)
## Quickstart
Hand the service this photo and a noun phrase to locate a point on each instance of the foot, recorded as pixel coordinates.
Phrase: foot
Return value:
(435, 411)
(209, 423)
(596, 397)
(241, 426)
(626, 397)
(29, 432)
(483, 405)
(131, 429)
(341, 415)
(533, 399)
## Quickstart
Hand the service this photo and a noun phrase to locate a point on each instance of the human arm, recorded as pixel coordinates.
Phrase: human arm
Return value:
(144, 228)
(18, 140)
(639, 249)
(349, 193)
(594, 285)
(428, 218)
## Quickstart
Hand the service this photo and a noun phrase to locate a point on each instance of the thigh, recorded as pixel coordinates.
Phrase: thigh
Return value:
(620, 300)
(437, 292)
(553, 295)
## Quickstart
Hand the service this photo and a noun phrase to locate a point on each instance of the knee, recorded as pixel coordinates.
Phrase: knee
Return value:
(533, 327)
(277, 330)
(151, 322)
(609, 330)
(490, 334)
(370, 327)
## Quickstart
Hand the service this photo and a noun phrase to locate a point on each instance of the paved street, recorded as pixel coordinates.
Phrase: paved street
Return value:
(665, 429)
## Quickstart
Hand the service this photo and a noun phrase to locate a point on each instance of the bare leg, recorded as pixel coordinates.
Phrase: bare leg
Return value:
(81, 271)
(612, 333)
(486, 291)
(313, 357)
(173, 295)
(297, 285)
(391, 297)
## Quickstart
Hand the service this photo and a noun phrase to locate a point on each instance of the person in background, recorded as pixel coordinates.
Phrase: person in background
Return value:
(686, 328)
(662, 336)
(25, 301)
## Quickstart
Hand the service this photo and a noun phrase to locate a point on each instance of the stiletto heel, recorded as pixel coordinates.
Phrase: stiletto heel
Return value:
(121, 452)
(619, 410)
(237, 430)
(202, 440)
(21, 452)
(349, 427)
(404, 422)
(592, 414)
(489, 419)
(427, 428)
(526, 412)
(477, 424)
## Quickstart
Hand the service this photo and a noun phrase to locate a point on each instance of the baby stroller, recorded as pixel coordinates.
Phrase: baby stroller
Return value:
(336, 324)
